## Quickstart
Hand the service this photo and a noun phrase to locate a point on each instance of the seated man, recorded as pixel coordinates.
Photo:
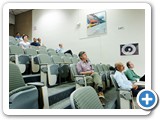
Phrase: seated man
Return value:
(61, 50)
(131, 75)
(84, 67)
(35, 43)
(123, 82)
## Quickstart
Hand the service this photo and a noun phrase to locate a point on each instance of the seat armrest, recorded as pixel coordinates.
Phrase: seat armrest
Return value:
(37, 84)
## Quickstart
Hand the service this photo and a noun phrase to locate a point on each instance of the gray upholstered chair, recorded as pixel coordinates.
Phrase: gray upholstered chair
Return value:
(20, 95)
(17, 56)
(85, 98)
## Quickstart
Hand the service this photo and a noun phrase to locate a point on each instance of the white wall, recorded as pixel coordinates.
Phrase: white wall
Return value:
(60, 26)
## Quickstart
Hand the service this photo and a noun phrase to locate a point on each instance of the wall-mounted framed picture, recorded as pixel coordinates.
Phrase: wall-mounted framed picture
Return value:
(96, 23)
(129, 49)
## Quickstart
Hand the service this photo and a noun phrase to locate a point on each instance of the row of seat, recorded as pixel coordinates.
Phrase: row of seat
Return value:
(23, 57)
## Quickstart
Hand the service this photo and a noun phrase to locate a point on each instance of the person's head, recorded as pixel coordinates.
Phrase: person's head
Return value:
(34, 40)
(119, 66)
(39, 40)
(25, 37)
(130, 65)
(61, 45)
(18, 34)
(82, 55)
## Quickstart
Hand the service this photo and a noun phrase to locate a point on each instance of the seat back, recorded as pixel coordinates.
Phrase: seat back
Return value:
(20, 96)
(68, 55)
(57, 59)
(114, 82)
(61, 54)
(50, 49)
(66, 60)
(42, 51)
(85, 98)
(15, 50)
(50, 53)
(73, 69)
(100, 69)
(75, 56)
(12, 41)
(30, 51)
(74, 60)
(15, 77)
(95, 68)
(44, 59)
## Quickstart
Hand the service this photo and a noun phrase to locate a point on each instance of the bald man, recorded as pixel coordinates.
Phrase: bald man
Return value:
(122, 80)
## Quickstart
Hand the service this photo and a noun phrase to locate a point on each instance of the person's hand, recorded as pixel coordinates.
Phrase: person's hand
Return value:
(91, 72)
(135, 87)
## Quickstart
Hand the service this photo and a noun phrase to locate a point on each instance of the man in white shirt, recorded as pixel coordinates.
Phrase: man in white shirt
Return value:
(61, 50)
(122, 80)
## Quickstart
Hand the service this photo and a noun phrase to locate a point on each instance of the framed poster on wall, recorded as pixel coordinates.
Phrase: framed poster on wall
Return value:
(96, 23)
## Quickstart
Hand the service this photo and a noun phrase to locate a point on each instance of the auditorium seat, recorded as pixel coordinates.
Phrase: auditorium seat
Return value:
(20, 95)
(80, 80)
(48, 70)
(85, 98)
(74, 60)
(124, 97)
(42, 51)
(50, 49)
(17, 56)
(32, 53)
(13, 41)
(64, 71)
(104, 75)
(68, 55)
(50, 53)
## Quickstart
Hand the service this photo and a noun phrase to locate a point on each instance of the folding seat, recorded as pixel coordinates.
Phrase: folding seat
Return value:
(104, 75)
(22, 96)
(35, 47)
(50, 53)
(61, 54)
(74, 60)
(74, 55)
(64, 70)
(80, 80)
(32, 53)
(17, 55)
(42, 51)
(67, 60)
(85, 98)
(124, 97)
(48, 70)
(12, 41)
(68, 55)
(50, 49)
(95, 68)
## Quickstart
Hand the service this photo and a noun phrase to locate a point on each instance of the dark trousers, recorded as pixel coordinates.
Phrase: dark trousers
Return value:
(135, 92)
(69, 51)
(142, 78)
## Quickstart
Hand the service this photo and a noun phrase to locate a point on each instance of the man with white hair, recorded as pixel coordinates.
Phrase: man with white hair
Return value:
(122, 80)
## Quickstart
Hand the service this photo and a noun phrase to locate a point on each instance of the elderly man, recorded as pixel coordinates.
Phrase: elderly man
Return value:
(131, 75)
(61, 50)
(84, 67)
(122, 80)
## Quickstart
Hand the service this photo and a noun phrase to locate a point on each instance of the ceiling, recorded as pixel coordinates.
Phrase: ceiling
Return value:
(18, 11)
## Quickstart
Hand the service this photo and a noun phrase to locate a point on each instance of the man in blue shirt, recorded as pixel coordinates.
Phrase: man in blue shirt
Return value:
(35, 43)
